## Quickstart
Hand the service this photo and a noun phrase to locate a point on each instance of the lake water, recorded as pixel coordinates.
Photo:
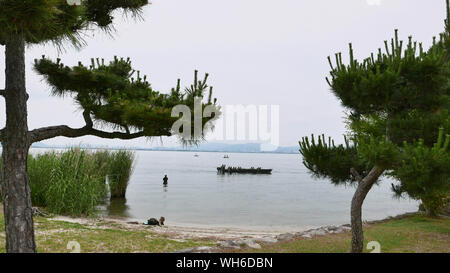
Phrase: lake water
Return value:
(288, 199)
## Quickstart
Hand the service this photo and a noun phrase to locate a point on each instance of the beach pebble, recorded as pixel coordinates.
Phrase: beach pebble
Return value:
(186, 250)
(204, 249)
(285, 237)
(345, 228)
(252, 244)
(332, 228)
(269, 240)
(230, 244)
(317, 232)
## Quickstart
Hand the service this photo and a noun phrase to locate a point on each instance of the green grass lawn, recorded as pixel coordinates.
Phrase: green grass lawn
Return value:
(412, 234)
(53, 236)
(415, 233)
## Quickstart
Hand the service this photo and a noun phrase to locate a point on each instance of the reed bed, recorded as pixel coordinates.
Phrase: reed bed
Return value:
(120, 170)
(73, 182)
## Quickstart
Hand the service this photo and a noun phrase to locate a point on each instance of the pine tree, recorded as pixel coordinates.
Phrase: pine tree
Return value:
(423, 173)
(398, 102)
(110, 94)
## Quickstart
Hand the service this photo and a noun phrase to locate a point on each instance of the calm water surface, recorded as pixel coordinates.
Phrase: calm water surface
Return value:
(288, 199)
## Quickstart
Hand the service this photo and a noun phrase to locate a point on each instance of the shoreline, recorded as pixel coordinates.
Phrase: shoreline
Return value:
(174, 230)
(238, 228)
(225, 237)
(203, 231)
(418, 233)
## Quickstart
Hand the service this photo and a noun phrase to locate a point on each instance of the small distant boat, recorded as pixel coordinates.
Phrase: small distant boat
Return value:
(226, 156)
(238, 170)
(196, 155)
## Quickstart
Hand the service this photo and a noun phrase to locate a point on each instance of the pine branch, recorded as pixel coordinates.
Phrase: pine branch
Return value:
(57, 21)
(66, 131)
(356, 175)
(88, 119)
(132, 105)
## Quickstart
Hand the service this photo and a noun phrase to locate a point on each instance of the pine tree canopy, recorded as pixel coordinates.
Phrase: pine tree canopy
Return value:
(395, 81)
(116, 95)
(56, 20)
(424, 172)
(408, 87)
(326, 160)
(110, 94)
(396, 99)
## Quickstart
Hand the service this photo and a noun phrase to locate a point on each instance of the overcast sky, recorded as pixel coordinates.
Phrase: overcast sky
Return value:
(257, 52)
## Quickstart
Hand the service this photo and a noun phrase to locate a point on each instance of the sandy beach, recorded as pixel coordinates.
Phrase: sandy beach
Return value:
(178, 231)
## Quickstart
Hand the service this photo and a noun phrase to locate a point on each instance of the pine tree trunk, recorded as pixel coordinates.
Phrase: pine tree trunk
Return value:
(362, 190)
(15, 143)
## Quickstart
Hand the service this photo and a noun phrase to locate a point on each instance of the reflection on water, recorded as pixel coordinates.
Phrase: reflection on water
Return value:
(116, 207)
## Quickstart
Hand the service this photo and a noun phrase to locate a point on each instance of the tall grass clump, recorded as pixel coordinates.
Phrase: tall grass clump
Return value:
(73, 182)
(76, 185)
(101, 162)
(120, 170)
(40, 168)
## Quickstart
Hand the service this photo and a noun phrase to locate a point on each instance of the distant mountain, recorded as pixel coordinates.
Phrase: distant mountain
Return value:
(204, 147)
(287, 150)
(40, 145)
(228, 148)
(36, 145)
(221, 147)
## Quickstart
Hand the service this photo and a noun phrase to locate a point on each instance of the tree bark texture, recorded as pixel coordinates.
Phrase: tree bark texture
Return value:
(15, 144)
(364, 186)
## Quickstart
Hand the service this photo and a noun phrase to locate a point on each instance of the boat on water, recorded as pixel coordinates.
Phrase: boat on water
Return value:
(196, 155)
(226, 156)
(238, 170)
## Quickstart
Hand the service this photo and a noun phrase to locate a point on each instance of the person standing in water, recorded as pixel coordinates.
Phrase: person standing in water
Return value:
(165, 180)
